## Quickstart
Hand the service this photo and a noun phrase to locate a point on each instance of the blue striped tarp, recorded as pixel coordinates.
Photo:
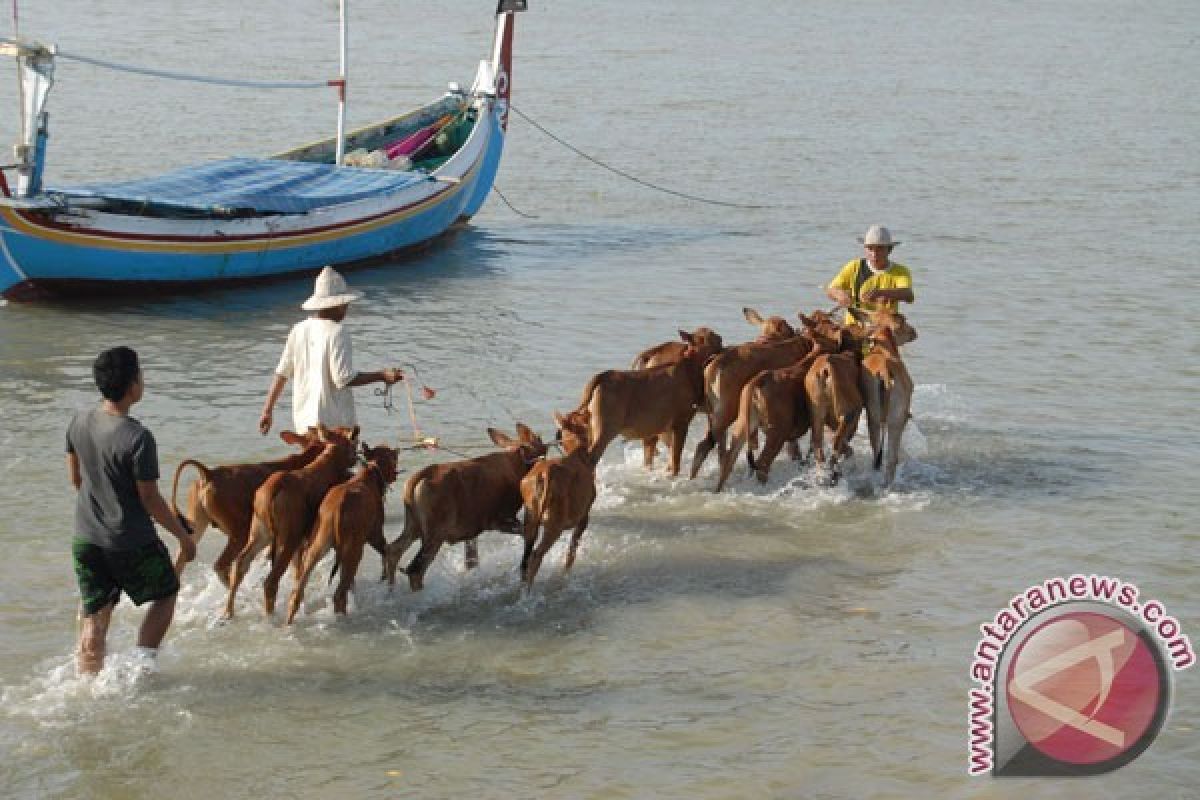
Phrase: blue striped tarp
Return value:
(252, 184)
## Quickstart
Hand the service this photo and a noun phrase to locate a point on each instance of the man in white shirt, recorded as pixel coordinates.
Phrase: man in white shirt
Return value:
(319, 359)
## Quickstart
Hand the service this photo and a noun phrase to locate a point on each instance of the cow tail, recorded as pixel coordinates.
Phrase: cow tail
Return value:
(589, 390)
(203, 470)
(337, 553)
(272, 528)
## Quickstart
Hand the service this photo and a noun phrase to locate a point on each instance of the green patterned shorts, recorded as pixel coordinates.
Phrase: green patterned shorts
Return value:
(145, 573)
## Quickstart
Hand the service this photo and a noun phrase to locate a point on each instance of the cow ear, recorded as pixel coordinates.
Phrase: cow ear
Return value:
(560, 420)
(524, 433)
(752, 316)
(290, 437)
(501, 439)
(687, 337)
(805, 320)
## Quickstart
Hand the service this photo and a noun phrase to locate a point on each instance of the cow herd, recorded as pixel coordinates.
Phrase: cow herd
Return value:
(782, 385)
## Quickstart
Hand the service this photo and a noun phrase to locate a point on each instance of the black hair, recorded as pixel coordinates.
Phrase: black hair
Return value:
(115, 370)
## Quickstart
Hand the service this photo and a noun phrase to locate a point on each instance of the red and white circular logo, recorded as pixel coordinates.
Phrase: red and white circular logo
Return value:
(1085, 689)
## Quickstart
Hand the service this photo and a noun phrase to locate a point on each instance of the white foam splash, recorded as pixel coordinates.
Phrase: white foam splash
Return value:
(59, 694)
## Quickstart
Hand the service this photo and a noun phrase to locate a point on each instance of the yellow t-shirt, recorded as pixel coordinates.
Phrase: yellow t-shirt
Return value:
(896, 276)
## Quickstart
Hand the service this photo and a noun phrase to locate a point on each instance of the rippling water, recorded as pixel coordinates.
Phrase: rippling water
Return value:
(786, 640)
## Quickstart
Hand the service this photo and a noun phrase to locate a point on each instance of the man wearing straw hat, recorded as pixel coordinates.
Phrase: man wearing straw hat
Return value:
(874, 281)
(318, 358)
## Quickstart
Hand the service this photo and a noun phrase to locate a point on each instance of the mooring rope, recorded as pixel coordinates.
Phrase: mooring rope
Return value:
(184, 76)
(511, 207)
(656, 187)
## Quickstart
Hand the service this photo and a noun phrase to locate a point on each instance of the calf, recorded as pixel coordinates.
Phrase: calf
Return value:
(456, 501)
(773, 400)
(834, 399)
(724, 378)
(350, 514)
(902, 331)
(285, 507)
(638, 404)
(224, 496)
(887, 388)
(558, 494)
(670, 353)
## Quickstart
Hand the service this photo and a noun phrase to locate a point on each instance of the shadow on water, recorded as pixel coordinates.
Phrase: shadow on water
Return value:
(465, 254)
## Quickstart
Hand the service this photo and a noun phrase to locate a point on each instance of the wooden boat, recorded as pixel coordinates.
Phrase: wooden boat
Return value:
(247, 219)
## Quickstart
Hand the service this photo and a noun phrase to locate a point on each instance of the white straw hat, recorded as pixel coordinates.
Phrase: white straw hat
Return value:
(877, 234)
(330, 291)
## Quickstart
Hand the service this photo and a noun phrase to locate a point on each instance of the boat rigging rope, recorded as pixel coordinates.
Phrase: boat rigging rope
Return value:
(628, 176)
(511, 207)
(183, 76)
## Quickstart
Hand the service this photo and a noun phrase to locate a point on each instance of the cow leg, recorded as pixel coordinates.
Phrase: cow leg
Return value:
(649, 450)
(730, 457)
(793, 450)
(550, 534)
(875, 416)
(898, 414)
(315, 551)
(847, 425)
(678, 438)
(420, 563)
(237, 531)
(412, 529)
(257, 541)
(395, 551)
(349, 556)
(819, 415)
(771, 447)
(533, 523)
(703, 448)
(471, 559)
(379, 545)
(281, 557)
(576, 535)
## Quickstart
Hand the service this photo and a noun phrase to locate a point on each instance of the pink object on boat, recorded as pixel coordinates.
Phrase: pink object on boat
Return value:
(414, 141)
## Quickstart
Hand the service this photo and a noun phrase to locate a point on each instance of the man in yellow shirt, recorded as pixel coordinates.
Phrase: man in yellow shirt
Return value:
(874, 281)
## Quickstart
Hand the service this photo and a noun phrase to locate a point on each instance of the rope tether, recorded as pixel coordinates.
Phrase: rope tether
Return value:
(628, 176)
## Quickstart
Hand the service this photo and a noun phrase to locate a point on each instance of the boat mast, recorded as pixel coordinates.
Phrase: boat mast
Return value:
(341, 87)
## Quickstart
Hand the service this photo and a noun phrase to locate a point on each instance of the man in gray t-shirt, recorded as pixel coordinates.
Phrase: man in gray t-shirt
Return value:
(113, 463)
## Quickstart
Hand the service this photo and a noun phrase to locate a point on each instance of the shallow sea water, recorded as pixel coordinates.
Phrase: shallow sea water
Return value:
(788, 640)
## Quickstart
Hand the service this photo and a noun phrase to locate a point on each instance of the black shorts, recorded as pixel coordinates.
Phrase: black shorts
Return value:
(144, 573)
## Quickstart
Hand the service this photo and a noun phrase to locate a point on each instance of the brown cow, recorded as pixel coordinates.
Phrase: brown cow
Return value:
(224, 496)
(456, 501)
(834, 399)
(558, 494)
(773, 400)
(670, 353)
(724, 378)
(833, 385)
(901, 330)
(638, 404)
(285, 507)
(887, 388)
(350, 515)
